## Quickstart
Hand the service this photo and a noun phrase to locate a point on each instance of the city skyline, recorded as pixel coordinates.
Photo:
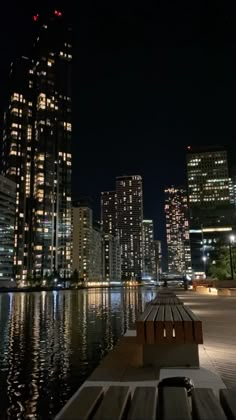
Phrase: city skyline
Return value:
(163, 109)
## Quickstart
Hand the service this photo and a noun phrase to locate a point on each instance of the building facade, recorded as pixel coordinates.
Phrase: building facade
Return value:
(7, 223)
(87, 245)
(177, 231)
(36, 150)
(148, 251)
(157, 259)
(129, 224)
(111, 258)
(109, 212)
(211, 201)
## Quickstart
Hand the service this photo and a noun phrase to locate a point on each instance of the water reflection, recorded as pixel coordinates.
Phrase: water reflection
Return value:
(51, 341)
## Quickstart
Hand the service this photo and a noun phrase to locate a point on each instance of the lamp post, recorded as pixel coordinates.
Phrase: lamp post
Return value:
(231, 241)
(204, 259)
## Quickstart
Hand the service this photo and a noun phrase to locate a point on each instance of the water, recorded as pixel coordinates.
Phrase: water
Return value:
(51, 341)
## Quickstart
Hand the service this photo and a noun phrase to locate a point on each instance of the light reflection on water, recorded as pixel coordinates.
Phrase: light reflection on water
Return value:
(51, 341)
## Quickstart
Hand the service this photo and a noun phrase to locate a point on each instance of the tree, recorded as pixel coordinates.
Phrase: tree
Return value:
(219, 267)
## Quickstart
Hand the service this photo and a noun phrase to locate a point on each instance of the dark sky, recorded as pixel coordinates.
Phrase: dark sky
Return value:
(149, 78)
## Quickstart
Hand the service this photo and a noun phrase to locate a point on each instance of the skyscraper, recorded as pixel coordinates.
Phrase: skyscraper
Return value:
(148, 251)
(87, 244)
(109, 212)
(211, 203)
(36, 150)
(177, 230)
(7, 221)
(129, 223)
(157, 259)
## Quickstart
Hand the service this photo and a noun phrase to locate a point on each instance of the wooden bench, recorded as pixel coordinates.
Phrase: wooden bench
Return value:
(118, 402)
(170, 335)
(168, 324)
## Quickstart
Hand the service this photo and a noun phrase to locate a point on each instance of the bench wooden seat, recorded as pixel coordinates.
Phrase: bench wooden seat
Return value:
(172, 403)
(143, 404)
(114, 404)
(166, 300)
(83, 403)
(168, 324)
(205, 405)
(228, 402)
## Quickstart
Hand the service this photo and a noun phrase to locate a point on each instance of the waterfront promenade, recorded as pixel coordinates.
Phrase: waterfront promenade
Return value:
(218, 315)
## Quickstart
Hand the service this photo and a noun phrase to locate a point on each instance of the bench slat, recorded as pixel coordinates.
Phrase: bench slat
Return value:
(205, 405)
(140, 325)
(150, 325)
(178, 324)
(159, 325)
(82, 404)
(168, 323)
(173, 404)
(143, 404)
(114, 404)
(187, 323)
(228, 402)
(197, 326)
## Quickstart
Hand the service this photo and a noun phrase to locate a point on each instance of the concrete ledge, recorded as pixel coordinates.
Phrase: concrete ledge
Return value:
(226, 292)
(178, 355)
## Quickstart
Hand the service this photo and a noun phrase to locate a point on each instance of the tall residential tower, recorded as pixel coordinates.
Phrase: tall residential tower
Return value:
(129, 192)
(177, 231)
(36, 151)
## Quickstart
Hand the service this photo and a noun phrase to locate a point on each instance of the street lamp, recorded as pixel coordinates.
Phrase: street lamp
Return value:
(204, 259)
(231, 241)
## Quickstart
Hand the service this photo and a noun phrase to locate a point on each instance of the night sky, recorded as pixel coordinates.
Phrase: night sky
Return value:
(149, 79)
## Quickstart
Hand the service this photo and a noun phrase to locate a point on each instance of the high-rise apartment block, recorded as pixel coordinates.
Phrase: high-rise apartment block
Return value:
(36, 152)
(109, 212)
(177, 231)
(121, 216)
(157, 259)
(7, 222)
(129, 221)
(87, 245)
(112, 258)
(148, 272)
(211, 201)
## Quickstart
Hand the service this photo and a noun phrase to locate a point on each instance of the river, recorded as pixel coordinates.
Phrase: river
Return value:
(51, 341)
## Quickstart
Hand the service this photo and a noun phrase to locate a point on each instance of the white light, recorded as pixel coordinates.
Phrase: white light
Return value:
(232, 238)
(204, 258)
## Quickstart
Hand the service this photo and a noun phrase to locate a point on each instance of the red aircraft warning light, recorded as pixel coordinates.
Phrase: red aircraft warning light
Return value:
(35, 17)
(57, 13)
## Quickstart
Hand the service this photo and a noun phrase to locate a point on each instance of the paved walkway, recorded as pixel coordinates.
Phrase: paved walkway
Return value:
(218, 314)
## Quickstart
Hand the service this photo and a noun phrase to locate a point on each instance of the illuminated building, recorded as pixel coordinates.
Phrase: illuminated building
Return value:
(211, 202)
(36, 150)
(157, 259)
(208, 176)
(7, 222)
(177, 231)
(109, 212)
(121, 216)
(129, 224)
(111, 242)
(87, 244)
(148, 251)
(112, 258)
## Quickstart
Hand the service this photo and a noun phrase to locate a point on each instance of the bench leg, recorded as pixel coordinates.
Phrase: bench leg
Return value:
(171, 355)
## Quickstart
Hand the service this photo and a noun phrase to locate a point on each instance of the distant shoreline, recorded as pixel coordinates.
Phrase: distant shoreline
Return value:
(59, 289)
